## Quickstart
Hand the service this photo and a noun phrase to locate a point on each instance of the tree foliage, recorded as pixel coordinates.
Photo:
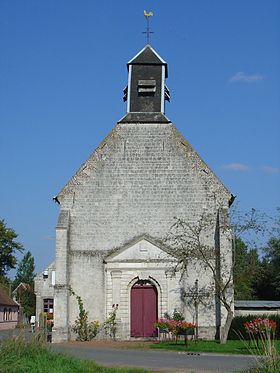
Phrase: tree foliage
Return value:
(8, 248)
(28, 302)
(25, 274)
(256, 268)
(268, 285)
(246, 271)
(273, 257)
(25, 270)
(257, 271)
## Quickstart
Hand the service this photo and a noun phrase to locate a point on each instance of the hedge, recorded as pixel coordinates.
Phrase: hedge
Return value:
(237, 329)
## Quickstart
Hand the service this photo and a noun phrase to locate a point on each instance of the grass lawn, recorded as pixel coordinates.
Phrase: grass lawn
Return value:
(18, 356)
(231, 347)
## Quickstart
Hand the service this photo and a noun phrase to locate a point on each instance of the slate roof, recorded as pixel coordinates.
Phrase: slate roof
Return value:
(148, 56)
(253, 304)
(5, 300)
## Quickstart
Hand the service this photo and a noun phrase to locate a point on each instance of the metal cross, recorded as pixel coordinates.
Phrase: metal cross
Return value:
(147, 15)
(196, 295)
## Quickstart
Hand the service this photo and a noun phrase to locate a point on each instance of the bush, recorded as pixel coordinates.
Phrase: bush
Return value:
(237, 328)
(84, 329)
(110, 324)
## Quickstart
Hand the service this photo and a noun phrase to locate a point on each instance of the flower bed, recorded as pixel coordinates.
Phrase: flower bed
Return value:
(175, 327)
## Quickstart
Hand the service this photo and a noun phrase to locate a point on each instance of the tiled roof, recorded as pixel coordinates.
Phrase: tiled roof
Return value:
(5, 300)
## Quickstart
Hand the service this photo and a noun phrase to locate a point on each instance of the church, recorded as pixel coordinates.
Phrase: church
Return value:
(116, 211)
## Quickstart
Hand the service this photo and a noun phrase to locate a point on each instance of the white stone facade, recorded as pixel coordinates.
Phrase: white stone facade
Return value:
(114, 215)
(142, 260)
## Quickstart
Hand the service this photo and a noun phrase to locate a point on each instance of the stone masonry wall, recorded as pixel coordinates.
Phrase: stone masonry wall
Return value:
(135, 183)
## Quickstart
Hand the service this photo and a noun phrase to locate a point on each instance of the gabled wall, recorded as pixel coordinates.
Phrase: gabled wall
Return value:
(135, 183)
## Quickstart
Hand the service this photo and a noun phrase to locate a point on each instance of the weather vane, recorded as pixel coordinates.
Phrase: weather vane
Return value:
(147, 15)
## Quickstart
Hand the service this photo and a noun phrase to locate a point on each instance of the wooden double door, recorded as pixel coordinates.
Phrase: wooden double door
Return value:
(144, 311)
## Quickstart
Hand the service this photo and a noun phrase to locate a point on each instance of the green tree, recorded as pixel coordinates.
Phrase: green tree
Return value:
(268, 286)
(28, 302)
(25, 274)
(246, 271)
(8, 249)
(273, 255)
(25, 270)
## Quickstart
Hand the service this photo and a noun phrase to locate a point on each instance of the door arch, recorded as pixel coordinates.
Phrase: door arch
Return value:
(143, 309)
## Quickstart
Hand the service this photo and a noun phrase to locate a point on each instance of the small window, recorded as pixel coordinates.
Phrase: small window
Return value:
(48, 305)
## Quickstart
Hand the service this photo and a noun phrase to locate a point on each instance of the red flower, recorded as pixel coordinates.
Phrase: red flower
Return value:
(173, 326)
(260, 326)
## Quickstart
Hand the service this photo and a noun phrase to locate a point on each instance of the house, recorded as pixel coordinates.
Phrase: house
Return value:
(18, 294)
(44, 290)
(116, 211)
(8, 311)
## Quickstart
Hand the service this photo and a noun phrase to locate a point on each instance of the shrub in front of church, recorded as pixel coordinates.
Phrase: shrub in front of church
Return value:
(162, 325)
(84, 329)
(238, 330)
(110, 325)
(181, 327)
(175, 327)
(262, 337)
(175, 324)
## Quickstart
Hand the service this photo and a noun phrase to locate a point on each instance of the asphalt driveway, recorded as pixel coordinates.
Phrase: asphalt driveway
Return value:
(166, 361)
(157, 360)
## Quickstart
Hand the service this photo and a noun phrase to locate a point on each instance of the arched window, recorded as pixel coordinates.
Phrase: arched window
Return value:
(10, 314)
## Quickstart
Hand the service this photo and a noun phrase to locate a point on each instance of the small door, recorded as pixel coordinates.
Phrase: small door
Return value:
(143, 310)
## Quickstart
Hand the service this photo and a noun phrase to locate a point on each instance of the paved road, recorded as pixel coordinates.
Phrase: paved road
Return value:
(167, 361)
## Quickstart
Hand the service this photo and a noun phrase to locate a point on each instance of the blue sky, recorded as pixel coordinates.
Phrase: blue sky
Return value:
(63, 69)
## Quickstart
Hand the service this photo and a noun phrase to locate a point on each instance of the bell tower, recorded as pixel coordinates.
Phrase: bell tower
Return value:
(146, 91)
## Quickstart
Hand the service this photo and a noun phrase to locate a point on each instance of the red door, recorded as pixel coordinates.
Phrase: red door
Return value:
(143, 310)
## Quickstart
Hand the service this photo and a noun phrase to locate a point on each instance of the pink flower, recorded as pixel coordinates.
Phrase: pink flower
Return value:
(260, 326)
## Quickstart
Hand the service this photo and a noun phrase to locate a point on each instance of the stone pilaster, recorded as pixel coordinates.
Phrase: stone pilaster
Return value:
(61, 293)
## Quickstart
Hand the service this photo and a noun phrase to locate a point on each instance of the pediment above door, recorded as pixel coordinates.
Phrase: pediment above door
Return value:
(142, 249)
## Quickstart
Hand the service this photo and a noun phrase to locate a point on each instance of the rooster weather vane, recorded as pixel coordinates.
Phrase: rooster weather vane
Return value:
(147, 15)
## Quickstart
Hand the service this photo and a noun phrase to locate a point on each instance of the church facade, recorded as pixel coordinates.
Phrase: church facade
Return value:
(116, 211)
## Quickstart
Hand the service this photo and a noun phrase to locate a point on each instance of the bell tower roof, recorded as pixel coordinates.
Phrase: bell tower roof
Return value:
(146, 91)
(148, 56)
